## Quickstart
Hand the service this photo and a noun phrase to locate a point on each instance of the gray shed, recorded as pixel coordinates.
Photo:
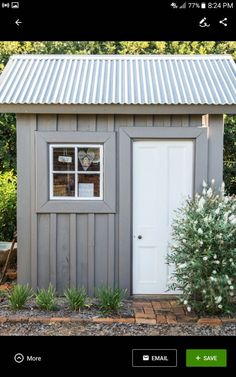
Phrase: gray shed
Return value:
(108, 147)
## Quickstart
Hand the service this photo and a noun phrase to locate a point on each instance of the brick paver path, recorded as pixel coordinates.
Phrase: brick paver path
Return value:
(169, 312)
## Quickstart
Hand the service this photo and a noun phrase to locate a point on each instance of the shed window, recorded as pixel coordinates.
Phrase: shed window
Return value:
(76, 171)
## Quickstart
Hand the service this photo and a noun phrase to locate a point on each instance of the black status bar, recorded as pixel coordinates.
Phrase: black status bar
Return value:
(178, 20)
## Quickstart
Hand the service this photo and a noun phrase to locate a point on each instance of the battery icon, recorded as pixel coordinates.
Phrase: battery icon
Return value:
(203, 5)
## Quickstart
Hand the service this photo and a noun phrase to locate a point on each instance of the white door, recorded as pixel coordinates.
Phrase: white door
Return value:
(162, 179)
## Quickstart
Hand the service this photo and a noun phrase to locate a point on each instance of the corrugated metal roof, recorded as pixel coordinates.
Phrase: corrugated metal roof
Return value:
(119, 79)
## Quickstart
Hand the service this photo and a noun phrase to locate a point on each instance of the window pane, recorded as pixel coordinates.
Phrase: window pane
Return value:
(88, 159)
(63, 159)
(88, 185)
(63, 184)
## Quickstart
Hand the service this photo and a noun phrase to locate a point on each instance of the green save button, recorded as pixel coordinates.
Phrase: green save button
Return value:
(206, 358)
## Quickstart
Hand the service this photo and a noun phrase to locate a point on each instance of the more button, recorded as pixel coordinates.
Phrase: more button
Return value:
(206, 358)
(154, 358)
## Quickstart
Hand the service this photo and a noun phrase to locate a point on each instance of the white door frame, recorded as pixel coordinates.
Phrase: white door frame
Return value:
(126, 136)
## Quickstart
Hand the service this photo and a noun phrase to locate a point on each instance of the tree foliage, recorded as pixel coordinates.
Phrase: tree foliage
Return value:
(230, 154)
(7, 205)
(7, 142)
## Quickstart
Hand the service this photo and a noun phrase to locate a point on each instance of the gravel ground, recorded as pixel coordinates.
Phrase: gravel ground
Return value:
(117, 329)
(63, 310)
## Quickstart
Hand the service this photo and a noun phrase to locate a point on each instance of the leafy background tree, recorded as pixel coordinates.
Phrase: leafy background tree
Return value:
(230, 154)
(7, 121)
(7, 142)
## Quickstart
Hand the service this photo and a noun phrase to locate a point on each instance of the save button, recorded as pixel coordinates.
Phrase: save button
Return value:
(206, 358)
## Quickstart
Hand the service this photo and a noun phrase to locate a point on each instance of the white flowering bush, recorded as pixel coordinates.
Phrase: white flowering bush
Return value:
(204, 252)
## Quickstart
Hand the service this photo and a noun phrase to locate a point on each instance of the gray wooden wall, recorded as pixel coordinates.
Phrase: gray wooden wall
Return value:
(81, 249)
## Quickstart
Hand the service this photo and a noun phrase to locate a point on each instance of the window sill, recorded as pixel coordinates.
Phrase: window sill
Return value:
(72, 206)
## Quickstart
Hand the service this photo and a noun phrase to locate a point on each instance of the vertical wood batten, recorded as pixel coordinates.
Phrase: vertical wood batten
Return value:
(53, 249)
(124, 121)
(185, 120)
(195, 121)
(87, 123)
(176, 121)
(48, 122)
(215, 149)
(125, 232)
(161, 120)
(143, 120)
(150, 120)
(63, 256)
(116, 257)
(26, 217)
(102, 123)
(43, 250)
(166, 120)
(101, 250)
(82, 250)
(116, 219)
(158, 121)
(33, 188)
(111, 251)
(91, 257)
(111, 123)
(201, 156)
(73, 280)
(67, 122)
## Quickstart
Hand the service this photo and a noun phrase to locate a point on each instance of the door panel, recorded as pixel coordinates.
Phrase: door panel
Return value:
(162, 179)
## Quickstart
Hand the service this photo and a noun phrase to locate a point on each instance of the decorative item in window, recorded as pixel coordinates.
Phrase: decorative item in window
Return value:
(89, 159)
(86, 190)
(86, 159)
(63, 159)
(66, 159)
(93, 179)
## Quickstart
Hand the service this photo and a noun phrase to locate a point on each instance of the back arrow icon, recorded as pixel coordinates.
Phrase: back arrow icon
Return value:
(18, 22)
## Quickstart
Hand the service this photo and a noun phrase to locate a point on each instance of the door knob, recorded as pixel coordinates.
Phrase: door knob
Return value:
(140, 237)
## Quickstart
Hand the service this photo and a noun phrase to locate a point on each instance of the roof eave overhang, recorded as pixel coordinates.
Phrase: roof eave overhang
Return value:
(116, 109)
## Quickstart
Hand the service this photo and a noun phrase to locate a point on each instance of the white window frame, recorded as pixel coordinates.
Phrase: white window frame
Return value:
(75, 172)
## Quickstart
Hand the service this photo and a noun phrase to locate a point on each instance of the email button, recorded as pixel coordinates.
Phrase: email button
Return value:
(154, 358)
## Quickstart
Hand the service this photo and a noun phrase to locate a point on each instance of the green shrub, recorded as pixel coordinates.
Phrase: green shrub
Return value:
(110, 299)
(46, 298)
(204, 252)
(7, 142)
(76, 297)
(7, 205)
(230, 154)
(19, 295)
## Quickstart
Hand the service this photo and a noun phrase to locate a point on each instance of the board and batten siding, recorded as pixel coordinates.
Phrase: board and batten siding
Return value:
(80, 249)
